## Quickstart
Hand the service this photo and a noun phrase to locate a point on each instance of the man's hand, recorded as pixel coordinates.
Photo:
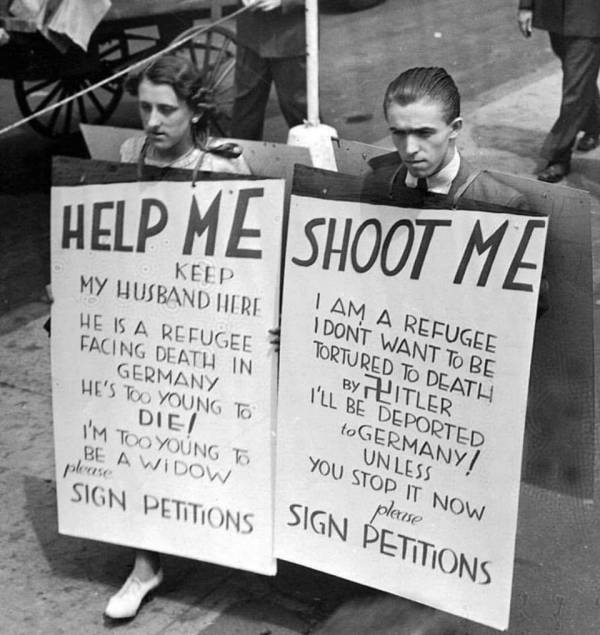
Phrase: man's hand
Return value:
(262, 5)
(525, 18)
(275, 338)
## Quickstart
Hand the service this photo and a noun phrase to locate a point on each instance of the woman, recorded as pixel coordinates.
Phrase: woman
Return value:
(171, 104)
(173, 109)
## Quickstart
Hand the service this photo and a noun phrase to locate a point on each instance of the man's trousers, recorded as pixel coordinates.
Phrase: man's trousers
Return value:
(580, 106)
(253, 78)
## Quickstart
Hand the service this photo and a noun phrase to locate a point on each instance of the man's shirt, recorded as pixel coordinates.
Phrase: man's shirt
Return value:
(440, 182)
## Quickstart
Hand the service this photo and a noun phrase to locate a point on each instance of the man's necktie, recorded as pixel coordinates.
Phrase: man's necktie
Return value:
(422, 185)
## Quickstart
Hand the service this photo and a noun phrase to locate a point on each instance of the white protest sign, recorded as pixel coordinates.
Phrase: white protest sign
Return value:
(163, 375)
(406, 344)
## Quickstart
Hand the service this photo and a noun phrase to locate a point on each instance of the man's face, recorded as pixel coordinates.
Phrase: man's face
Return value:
(422, 137)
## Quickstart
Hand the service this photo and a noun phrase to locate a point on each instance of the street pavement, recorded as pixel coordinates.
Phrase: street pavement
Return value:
(56, 584)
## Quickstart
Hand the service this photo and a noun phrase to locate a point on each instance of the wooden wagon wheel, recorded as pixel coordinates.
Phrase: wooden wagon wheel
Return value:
(75, 72)
(213, 53)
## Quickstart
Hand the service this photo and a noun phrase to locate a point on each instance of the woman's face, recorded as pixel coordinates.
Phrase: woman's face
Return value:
(166, 118)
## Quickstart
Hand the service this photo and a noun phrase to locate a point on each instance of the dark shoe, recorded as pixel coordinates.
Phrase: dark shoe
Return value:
(554, 172)
(588, 142)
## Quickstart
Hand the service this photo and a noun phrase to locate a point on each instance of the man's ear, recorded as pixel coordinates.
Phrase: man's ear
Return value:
(456, 126)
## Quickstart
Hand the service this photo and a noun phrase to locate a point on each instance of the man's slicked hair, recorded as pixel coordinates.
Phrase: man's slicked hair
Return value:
(432, 83)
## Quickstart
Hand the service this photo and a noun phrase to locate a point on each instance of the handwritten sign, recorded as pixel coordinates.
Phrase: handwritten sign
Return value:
(163, 376)
(406, 344)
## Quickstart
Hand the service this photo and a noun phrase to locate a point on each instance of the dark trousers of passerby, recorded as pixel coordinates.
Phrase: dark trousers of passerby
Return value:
(580, 106)
(253, 78)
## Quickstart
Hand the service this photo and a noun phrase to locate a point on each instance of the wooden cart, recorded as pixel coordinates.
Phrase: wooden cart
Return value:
(132, 29)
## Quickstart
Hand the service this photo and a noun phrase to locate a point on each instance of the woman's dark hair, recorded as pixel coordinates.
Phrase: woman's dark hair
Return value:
(431, 83)
(176, 71)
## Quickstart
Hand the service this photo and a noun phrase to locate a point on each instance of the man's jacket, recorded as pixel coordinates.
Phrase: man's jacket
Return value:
(277, 33)
(388, 175)
(566, 17)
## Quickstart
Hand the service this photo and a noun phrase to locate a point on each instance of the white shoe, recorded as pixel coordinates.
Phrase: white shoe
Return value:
(126, 602)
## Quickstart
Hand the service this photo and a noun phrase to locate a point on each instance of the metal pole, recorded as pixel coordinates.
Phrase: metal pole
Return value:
(312, 134)
(312, 61)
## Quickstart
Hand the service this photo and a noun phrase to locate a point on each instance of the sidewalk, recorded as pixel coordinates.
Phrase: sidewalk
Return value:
(55, 584)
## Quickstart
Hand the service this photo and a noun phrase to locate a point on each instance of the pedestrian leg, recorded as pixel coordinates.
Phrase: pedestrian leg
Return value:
(580, 59)
(252, 86)
(591, 124)
(289, 76)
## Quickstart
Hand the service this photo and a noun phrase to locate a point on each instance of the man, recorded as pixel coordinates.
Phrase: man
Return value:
(271, 48)
(574, 29)
(422, 109)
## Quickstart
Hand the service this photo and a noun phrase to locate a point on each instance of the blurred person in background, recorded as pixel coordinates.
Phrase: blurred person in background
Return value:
(574, 30)
(271, 48)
